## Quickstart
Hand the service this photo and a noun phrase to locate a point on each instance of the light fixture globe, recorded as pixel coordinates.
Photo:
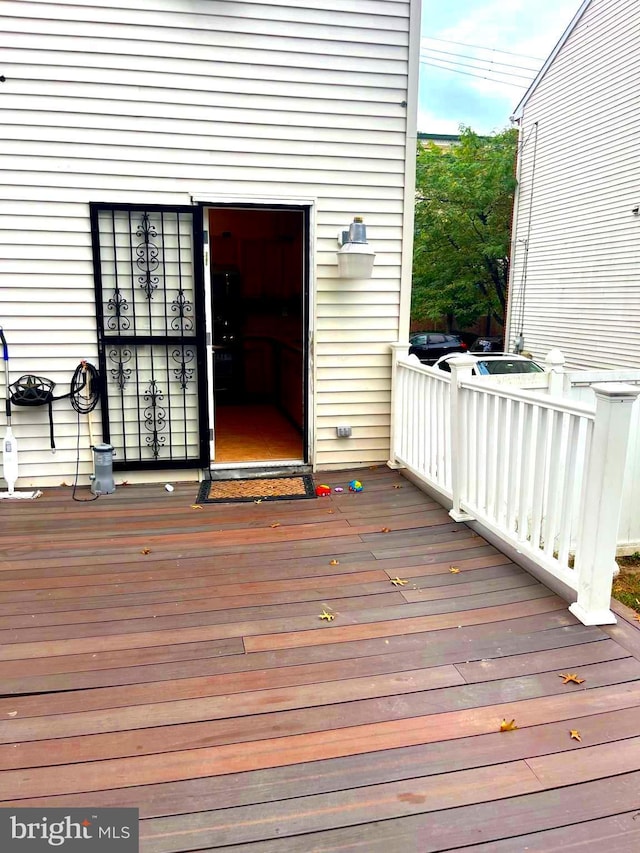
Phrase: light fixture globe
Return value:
(355, 260)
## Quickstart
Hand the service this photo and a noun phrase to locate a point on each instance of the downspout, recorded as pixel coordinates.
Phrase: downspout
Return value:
(519, 340)
(411, 142)
(527, 241)
(514, 231)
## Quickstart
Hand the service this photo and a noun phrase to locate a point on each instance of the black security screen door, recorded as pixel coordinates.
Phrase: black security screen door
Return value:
(149, 307)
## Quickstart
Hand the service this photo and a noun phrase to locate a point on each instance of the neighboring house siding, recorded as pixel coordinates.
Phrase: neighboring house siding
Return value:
(156, 101)
(581, 287)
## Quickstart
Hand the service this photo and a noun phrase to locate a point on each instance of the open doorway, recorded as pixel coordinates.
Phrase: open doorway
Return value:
(259, 332)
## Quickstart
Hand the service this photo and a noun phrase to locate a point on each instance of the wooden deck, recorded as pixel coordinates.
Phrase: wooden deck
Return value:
(197, 682)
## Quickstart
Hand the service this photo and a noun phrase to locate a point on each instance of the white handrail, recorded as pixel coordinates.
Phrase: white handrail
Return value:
(511, 393)
(540, 471)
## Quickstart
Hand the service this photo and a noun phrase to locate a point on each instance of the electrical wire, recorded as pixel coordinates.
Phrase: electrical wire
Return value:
(477, 76)
(480, 59)
(482, 47)
(480, 68)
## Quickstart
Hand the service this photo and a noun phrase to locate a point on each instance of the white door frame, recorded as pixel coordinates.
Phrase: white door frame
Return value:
(208, 201)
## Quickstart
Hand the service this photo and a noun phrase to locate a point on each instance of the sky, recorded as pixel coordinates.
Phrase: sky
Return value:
(465, 78)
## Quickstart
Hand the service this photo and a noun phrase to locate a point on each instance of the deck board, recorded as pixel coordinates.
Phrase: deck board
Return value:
(505, 825)
(197, 682)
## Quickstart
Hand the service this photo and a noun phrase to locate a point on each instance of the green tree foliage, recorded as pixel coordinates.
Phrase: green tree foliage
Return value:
(463, 224)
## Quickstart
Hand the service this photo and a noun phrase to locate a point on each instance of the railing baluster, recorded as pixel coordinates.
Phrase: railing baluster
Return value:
(505, 444)
(516, 464)
(523, 520)
(406, 448)
(493, 437)
(473, 448)
(539, 474)
(421, 433)
(445, 390)
(483, 451)
(557, 455)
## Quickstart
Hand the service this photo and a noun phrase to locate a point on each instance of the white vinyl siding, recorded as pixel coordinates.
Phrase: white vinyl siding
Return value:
(582, 281)
(164, 101)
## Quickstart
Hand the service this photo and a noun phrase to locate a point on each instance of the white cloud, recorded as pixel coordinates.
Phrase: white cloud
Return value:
(432, 123)
(519, 26)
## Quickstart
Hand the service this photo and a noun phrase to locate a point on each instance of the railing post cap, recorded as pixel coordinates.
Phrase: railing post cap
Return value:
(615, 391)
(463, 360)
(554, 358)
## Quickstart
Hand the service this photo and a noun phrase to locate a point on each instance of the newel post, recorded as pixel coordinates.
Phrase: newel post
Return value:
(554, 367)
(595, 563)
(461, 367)
(397, 349)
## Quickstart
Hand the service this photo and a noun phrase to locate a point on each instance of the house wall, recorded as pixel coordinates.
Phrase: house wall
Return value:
(163, 101)
(579, 287)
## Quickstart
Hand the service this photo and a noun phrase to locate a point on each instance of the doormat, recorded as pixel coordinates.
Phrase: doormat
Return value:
(259, 489)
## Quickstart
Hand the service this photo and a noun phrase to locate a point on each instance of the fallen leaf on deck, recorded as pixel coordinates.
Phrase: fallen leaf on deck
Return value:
(12, 713)
(454, 570)
(64, 484)
(276, 524)
(146, 551)
(330, 511)
(397, 486)
(196, 506)
(386, 530)
(575, 735)
(259, 501)
(570, 677)
(398, 581)
(508, 726)
(329, 617)
(334, 562)
(637, 617)
(124, 483)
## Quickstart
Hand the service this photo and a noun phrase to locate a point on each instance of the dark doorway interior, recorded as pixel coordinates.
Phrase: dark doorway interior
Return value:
(258, 319)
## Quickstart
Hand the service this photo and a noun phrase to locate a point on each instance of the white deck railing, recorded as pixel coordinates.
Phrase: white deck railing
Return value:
(523, 458)
(422, 425)
(542, 473)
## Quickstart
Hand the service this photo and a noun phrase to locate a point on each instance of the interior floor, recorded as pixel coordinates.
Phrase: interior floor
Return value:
(255, 433)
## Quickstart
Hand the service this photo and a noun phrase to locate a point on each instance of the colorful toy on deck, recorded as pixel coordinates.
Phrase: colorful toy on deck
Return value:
(323, 491)
(338, 489)
(355, 486)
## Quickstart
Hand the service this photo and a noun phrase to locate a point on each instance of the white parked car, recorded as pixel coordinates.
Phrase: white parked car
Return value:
(494, 363)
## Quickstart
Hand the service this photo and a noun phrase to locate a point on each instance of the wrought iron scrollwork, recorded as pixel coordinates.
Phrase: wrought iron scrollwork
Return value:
(155, 418)
(182, 307)
(118, 304)
(147, 256)
(183, 357)
(120, 374)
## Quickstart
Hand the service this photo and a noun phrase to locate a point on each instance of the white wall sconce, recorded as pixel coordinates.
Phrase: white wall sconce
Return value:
(355, 256)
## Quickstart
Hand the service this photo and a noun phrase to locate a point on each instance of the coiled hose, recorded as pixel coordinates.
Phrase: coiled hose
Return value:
(85, 376)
